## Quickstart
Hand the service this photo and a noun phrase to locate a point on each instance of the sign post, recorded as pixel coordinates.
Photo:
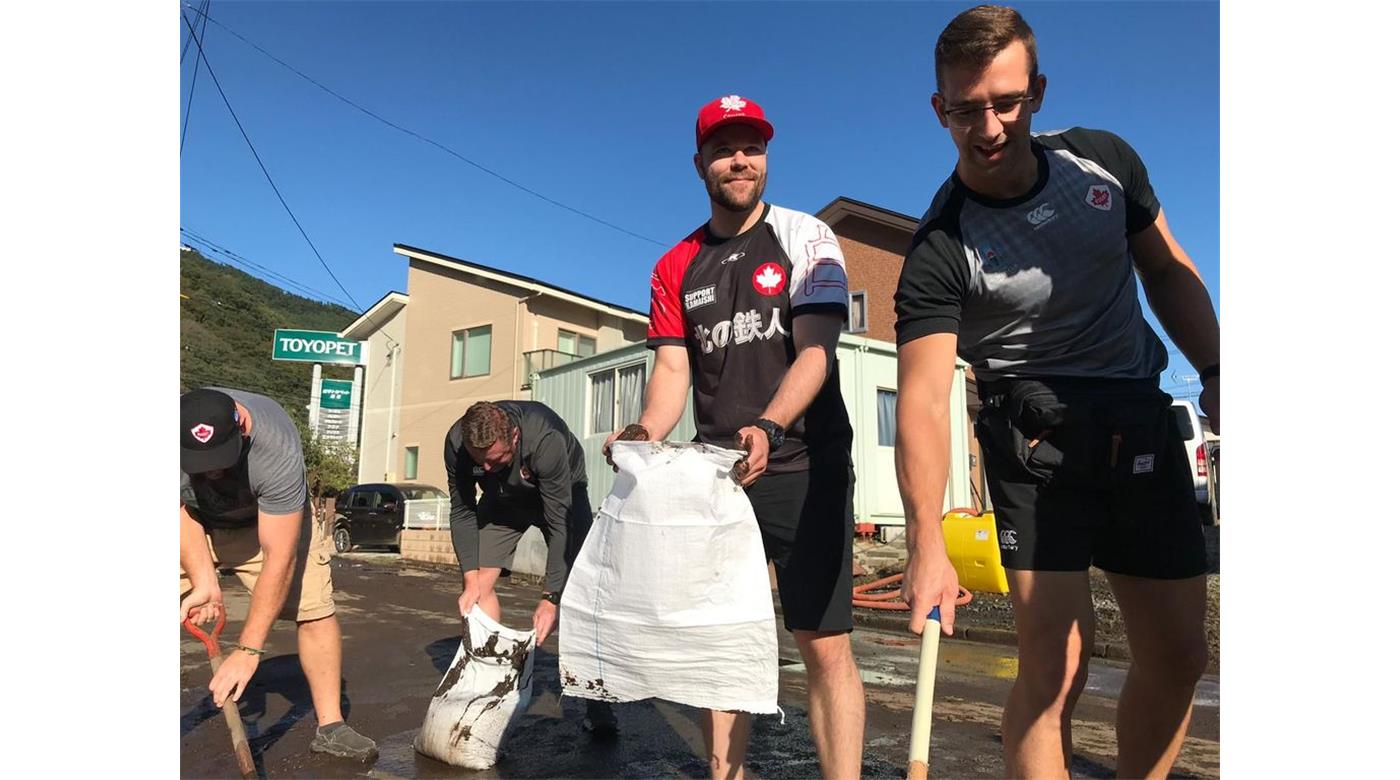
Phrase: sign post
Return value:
(334, 408)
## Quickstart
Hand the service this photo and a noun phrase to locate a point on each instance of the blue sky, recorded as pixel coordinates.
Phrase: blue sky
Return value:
(593, 105)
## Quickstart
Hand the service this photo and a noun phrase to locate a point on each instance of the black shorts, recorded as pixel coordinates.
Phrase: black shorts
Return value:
(1089, 472)
(807, 519)
(501, 525)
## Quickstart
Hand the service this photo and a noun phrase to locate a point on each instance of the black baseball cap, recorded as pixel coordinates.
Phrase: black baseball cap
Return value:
(209, 435)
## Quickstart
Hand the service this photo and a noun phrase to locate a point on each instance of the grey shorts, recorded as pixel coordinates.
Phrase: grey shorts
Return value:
(502, 525)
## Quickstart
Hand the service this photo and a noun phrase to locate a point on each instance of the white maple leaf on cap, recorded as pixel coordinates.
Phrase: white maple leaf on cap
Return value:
(732, 103)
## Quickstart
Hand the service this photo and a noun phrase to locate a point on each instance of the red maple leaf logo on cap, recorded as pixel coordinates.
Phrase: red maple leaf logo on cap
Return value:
(768, 279)
(202, 433)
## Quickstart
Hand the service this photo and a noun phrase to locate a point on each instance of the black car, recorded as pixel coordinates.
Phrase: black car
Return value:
(372, 514)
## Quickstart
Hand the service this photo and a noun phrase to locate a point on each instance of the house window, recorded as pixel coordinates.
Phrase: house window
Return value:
(471, 352)
(855, 313)
(410, 463)
(616, 397)
(884, 414)
(577, 344)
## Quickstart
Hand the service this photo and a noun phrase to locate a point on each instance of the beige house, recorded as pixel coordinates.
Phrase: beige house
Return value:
(465, 332)
(381, 330)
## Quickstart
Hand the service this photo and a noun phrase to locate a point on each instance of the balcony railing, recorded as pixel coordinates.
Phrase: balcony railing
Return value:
(540, 359)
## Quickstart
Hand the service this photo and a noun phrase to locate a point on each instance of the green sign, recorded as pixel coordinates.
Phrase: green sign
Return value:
(314, 346)
(335, 393)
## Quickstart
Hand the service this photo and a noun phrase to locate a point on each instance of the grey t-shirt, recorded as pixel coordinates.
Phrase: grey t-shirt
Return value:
(270, 476)
(1041, 285)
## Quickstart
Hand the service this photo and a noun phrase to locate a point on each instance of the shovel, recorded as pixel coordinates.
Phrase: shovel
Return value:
(923, 698)
(231, 716)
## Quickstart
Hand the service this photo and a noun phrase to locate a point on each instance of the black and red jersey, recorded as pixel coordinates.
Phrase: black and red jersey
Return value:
(730, 303)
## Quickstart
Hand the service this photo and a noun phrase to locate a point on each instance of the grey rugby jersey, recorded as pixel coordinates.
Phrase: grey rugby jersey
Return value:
(1041, 285)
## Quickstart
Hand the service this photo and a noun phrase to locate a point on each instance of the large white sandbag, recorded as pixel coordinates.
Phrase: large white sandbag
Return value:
(487, 687)
(669, 596)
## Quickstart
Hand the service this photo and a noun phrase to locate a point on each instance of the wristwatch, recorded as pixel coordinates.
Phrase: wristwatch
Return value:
(551, 597)
(775, 432)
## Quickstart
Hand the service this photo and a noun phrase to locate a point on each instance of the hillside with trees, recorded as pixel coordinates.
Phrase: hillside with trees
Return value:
(226, 322)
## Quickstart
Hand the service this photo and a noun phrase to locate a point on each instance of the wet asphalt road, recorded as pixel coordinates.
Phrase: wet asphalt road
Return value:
(400, 632)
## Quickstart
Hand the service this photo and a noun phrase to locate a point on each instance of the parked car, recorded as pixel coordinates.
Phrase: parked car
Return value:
(372, 514)
(1195, 435)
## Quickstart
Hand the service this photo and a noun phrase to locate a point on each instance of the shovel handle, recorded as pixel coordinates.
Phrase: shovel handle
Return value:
(241, 751)
(923, 698)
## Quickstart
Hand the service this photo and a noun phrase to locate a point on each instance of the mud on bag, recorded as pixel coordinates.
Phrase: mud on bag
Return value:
(669, 596)
(486, 688)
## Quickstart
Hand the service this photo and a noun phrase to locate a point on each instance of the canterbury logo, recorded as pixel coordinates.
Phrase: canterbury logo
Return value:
(1008, 538)
(1042, 214)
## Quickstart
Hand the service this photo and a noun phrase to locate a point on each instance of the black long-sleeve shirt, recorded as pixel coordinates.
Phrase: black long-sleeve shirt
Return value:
(540, 481)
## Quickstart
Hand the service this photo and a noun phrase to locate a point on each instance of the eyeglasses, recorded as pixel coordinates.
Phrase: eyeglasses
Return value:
(1006, 109)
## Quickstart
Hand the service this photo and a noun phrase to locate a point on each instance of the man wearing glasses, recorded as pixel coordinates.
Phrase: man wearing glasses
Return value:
(1024, 267)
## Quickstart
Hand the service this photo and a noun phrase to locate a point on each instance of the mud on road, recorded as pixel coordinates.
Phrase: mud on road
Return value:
(401, 632)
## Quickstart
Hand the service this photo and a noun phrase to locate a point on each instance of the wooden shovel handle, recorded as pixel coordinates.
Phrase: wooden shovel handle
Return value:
(235, 721)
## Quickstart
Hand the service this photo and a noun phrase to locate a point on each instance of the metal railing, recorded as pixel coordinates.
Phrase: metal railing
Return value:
(538, 360)
(427, 514)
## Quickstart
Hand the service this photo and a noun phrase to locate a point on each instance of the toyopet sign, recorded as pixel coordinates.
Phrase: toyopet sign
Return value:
(315, 346)
(335, 393)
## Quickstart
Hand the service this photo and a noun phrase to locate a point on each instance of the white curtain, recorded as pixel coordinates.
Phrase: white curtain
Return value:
(884, 408)
(602, 416)
(631, 387)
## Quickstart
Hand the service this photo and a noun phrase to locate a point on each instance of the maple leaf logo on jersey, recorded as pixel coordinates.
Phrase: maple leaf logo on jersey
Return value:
(1099, 197)
(732, 103)
(202, 433)
(769, 279)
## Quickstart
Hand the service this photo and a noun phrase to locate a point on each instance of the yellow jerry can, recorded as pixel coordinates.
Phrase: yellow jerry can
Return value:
(973, 549)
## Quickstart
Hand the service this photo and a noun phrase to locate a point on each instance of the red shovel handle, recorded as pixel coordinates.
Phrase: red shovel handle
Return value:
(211, 641)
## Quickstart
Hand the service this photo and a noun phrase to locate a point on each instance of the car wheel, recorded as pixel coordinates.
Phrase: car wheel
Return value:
(342, 539)
(398, 541)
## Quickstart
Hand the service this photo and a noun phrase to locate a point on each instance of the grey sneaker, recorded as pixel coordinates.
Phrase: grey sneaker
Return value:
(600, 720)
(338, 739)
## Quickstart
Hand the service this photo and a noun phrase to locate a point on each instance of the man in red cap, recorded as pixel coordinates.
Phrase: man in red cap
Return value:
(243, 505)
(747, 310)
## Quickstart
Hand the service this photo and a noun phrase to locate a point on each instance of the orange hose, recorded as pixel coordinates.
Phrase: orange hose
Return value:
(862, 597)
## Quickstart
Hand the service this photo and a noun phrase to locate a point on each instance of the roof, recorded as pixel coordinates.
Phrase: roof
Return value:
(375, 316)
(519, 280)
(843, 207)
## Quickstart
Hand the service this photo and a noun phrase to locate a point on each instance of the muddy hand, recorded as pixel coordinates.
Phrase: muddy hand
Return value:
(633, 432)
(754, 442)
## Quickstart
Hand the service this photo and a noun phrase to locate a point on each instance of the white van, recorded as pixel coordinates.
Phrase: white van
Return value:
(1194, 434)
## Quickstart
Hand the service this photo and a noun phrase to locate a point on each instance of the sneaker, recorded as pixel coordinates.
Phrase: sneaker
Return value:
(600, 720)
(338, 739)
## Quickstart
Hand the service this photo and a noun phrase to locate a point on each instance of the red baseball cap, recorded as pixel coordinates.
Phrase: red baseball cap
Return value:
(728, 110)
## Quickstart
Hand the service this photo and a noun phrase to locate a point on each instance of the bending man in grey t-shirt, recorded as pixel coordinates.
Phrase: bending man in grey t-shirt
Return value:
(243, 505)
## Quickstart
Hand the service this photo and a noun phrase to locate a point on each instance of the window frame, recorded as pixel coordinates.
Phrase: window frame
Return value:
(616, 372)
(864, 311)
(466, 340)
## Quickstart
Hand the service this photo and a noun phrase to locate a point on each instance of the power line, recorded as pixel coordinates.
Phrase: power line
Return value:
(243, 261)
(430, 141)
(189, 102)
(199, 44)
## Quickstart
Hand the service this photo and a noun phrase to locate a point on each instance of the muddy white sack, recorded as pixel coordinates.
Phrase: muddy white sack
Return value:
(486, 688)
(669, 596)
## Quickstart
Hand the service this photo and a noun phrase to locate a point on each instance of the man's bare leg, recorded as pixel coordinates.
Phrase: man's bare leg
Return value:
(1165, 622)
(726, 741)
(486, 578)
(318, 645)
(1054, 631)
(835, 701)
